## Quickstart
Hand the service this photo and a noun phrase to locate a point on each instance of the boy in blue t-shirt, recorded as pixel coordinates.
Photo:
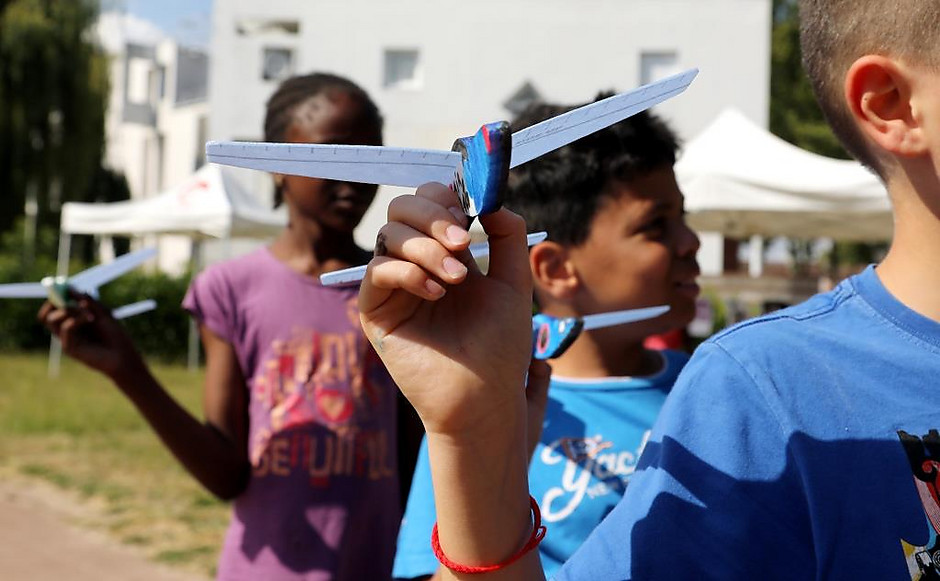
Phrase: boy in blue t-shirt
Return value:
(801, 445)
(617, 240)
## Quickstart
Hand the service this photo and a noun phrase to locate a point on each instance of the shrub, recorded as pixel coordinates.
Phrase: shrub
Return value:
(162, 333)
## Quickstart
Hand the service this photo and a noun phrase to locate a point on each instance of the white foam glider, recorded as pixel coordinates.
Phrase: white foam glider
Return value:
(398, 166)
(412, 167)
(56, 288)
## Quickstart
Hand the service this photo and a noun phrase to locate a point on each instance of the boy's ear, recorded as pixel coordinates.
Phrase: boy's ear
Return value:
(880, 95)
(552, 270)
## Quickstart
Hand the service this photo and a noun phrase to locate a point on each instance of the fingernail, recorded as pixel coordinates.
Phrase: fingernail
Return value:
(457, 211)
(454, 267)
(433, 288)
(456, 234)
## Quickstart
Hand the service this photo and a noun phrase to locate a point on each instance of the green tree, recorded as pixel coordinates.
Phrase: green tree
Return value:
(795, 117)
(794, 114)
(53, 95)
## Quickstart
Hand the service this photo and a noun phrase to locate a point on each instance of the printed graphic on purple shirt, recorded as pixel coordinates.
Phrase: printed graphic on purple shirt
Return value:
(321, 438)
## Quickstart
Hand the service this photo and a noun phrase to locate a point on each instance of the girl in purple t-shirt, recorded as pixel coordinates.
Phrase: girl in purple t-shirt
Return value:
(300, 423)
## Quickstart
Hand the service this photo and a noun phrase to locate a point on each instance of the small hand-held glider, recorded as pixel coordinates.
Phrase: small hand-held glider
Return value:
(551, 336)
(56, 288)
(477, 166)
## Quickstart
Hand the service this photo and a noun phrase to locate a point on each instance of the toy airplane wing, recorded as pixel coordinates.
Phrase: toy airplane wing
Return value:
(549, 135)
(622, 317)
(370, 164)
(396, 166)
(356, 273)
(23, 290)
(89, 280)
(134, 309)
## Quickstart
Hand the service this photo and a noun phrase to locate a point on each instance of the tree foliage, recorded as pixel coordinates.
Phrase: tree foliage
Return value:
(795, 117)
(53, 95)
(794, 114)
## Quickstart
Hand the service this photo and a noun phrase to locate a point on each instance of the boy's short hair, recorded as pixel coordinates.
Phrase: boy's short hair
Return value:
(835, 33)
(560, 192)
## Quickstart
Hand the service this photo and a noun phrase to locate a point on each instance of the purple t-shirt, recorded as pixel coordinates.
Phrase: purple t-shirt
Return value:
(322, 501)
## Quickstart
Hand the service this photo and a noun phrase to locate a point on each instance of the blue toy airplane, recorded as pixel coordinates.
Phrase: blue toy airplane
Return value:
(477, 166)
(551, 337)
(56, 288)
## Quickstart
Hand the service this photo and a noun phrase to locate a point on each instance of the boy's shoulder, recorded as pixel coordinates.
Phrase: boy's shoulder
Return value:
(823, 309)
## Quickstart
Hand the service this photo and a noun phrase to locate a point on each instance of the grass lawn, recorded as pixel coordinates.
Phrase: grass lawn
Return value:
(80, 434)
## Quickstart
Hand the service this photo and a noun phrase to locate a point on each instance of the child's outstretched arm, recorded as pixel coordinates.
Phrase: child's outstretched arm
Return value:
(214, 452)
(458, 344)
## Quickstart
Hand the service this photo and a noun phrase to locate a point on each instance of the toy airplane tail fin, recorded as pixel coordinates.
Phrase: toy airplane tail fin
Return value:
(134, 309)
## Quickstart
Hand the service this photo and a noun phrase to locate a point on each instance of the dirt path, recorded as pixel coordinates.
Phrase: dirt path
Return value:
(38, 542)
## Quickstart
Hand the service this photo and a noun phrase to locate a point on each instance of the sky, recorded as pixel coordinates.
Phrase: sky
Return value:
(188, 21)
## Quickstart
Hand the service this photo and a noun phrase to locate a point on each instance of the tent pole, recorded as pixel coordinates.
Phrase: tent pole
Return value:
(62, 269)
(192, 358)
(755, 260)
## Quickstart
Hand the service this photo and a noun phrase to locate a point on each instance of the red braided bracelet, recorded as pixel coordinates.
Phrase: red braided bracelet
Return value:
(538, 533)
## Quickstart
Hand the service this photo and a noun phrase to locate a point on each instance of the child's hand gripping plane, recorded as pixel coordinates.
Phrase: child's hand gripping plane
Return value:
(476, 168)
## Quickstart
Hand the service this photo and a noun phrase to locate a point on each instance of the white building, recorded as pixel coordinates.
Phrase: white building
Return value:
(438, 69)
(157, 115)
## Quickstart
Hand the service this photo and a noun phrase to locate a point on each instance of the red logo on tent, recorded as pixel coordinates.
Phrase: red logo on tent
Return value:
(190, 189)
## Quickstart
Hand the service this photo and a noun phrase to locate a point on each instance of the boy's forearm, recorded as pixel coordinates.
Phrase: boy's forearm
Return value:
(212, 458)
(481, 493)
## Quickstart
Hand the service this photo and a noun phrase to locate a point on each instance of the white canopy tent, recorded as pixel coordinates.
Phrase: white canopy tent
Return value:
(742, 181)
(210, 204)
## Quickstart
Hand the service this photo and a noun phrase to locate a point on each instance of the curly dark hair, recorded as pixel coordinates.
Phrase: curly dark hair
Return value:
(296, 91)
(560, 192)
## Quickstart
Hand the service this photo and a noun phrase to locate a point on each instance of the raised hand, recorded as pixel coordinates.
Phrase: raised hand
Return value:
(457, 342)
(91, 335)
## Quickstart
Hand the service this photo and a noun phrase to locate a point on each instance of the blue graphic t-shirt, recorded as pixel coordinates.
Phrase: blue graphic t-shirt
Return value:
(593, 435)
(800, 445)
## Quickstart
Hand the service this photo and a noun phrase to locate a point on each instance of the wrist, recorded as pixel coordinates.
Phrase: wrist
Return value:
(129, 372)
(496, 423)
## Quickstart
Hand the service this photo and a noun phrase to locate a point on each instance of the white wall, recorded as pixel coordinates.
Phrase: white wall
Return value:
(163, 150)
(475, 55)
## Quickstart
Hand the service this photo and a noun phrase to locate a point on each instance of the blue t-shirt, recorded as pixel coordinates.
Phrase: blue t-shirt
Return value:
(801, 445)
(592, 438)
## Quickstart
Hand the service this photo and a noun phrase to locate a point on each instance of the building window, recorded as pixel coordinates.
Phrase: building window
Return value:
(139, 87)
(277, 64)
(402, 69)
(157, 84)
(259, 26)
(657, 65)
(202, 135)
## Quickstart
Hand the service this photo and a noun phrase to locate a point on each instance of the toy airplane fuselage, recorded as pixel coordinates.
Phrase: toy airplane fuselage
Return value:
(551, 336)
(59, 289)
(483, 168)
